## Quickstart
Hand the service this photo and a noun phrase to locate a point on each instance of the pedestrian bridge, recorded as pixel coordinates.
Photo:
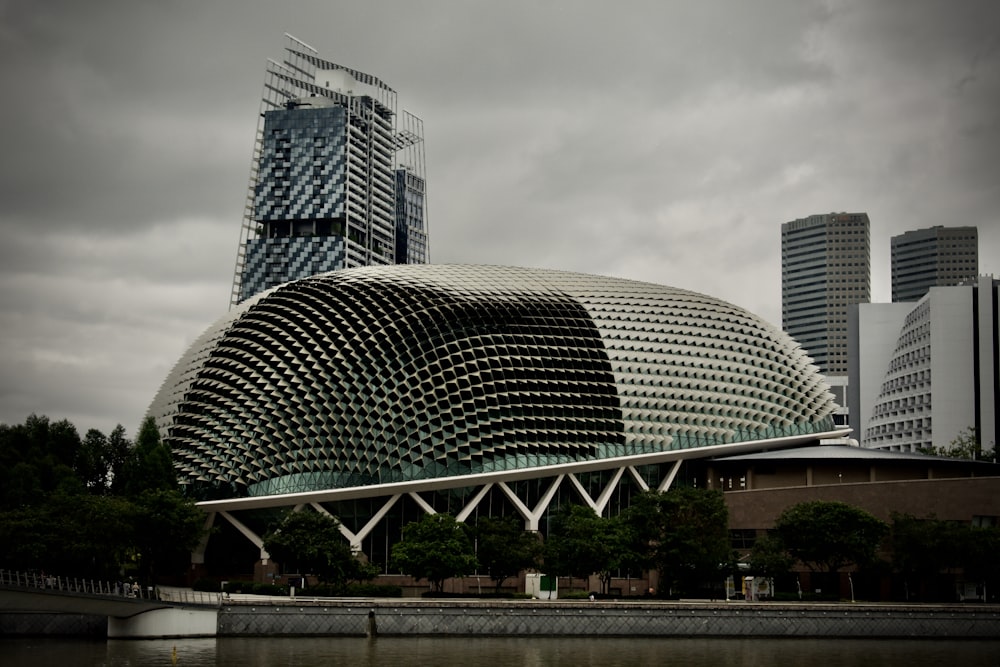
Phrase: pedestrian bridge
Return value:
(131, 613)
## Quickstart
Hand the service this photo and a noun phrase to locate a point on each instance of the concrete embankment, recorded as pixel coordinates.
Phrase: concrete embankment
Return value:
(390, 617)
(623, 619)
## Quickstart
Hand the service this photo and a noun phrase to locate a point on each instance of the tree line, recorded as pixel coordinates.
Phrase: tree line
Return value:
(101, 506)
(104, 506)
(682, 533)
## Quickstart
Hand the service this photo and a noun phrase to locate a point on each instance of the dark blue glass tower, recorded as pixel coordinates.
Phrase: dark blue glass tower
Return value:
(335, 183)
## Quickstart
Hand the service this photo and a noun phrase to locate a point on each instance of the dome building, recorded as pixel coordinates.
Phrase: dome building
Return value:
(456, 386)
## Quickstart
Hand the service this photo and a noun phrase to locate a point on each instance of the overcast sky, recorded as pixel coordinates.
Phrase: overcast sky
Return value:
(662, 141)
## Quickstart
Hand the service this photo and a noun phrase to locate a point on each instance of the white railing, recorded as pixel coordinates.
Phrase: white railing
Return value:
(188, 596)
(40, 580)
(170, 594)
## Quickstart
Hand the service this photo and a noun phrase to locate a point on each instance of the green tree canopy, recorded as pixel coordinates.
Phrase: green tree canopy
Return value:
(923, 547)
(37, 458)
(977, 553)
(63, 508)
(310, 542)
(505, 548)
(965, 445)
(99, 536)
(167, 529)
(827, 536)
(87, 536)
(119, 452)
(434, 548)
(768, 558)
(91, 464)
(151, 465)
(581, 543)
(686, 535)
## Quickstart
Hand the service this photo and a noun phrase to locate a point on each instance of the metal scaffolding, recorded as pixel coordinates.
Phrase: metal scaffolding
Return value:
(295, 78)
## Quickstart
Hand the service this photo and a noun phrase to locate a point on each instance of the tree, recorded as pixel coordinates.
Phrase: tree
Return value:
(965, 445)
(922, 548)
(581, 543)
(504, 548)
(63, 443)
(61, 514)
(768, 558)
(79, 535)
(96, 535)
(686, 535)
(614, 542)
(977, 554)
(118, 452)
(36, 460)
(435, 548)
(167, 529)
(570, 546)
(91, 463)
(150, 465)
(827, 536)
(311, 543)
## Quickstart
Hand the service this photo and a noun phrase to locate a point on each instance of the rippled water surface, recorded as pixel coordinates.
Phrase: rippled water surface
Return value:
(499, 652)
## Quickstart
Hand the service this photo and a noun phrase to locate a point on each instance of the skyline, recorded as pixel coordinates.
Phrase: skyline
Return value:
(654, 141)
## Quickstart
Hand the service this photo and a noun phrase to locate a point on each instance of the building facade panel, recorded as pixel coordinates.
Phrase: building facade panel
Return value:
(384, 375)
(335, 168)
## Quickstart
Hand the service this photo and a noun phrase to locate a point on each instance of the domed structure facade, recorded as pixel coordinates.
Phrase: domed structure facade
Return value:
(439, 374)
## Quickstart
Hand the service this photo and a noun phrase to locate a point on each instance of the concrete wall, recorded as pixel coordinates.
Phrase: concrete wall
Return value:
(953, 385)
(524, 618)
(565, 618)
(48, 624)
(165, 623)
(989, 365)
(874, 329)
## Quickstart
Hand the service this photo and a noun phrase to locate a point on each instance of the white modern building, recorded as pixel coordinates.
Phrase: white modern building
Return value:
(923, 373)
(379, 393)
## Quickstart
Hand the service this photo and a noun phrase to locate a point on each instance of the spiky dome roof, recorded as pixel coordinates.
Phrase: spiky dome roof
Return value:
(397, 373)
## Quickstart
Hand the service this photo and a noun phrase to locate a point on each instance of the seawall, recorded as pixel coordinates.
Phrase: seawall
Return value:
(534, 618)
(613, 619)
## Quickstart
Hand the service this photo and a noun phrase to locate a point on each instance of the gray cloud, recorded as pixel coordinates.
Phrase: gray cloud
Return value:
(659, 141)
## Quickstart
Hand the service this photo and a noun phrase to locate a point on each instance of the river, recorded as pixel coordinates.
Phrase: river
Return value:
(498, 652)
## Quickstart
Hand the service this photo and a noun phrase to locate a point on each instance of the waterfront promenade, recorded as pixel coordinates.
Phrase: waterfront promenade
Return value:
(248, 615)
(27, 609)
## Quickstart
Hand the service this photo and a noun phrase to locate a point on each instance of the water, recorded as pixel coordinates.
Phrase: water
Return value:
(499, 652)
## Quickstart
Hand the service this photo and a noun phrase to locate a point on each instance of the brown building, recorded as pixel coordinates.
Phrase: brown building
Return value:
(759, 487)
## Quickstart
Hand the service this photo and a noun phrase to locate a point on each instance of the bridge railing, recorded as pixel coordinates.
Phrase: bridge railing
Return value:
(44, 581)
(188, 596)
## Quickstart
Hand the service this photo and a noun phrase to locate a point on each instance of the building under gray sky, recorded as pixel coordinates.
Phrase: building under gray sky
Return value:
(825, 267)
(937, 256)
(328, 189)
(924, 374)
(653, 141)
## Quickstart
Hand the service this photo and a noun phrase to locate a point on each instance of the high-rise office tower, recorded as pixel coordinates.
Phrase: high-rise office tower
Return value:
(933, 257)
(825, 267)
(337, 178)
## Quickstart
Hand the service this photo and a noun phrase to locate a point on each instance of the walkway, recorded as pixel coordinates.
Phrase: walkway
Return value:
(28, 591)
